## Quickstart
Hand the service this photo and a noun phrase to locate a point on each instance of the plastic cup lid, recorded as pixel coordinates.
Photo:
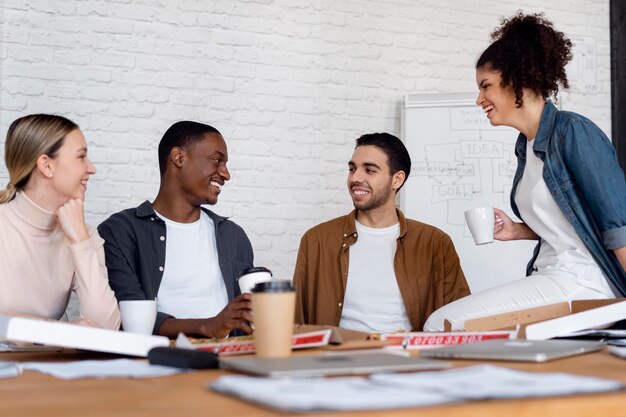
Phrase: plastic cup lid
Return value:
(273, 286)
(253, 270)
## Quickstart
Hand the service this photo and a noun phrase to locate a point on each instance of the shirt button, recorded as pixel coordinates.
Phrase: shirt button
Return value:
(340, 304)
(161, 268)
(344, 235)
(344, 245)
(162, 238)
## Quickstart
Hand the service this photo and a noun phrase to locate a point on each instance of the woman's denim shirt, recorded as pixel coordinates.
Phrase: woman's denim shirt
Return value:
(584, 177)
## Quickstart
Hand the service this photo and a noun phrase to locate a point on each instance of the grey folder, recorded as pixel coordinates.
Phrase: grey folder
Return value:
(515, 350)
(329, 364)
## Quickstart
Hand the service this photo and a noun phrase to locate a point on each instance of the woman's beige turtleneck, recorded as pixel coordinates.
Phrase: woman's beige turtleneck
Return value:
(39, 267)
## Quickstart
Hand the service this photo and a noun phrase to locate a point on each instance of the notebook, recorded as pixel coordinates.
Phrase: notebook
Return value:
(515, 350)
(329, 364)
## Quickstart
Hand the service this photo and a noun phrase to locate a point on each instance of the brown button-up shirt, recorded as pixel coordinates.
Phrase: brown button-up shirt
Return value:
(426, 266)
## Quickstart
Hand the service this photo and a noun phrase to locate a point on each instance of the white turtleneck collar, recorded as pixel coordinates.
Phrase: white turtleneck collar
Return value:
(31, 213)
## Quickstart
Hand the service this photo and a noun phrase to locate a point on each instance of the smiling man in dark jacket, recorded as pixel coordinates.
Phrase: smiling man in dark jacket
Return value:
(176, 251)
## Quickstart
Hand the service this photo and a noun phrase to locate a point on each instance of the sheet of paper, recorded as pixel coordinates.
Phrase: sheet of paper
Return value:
(495, 382)
(321, 394)
(120, 368)
(7, 346)
(9, 369)
(618, 351)
(401, 390)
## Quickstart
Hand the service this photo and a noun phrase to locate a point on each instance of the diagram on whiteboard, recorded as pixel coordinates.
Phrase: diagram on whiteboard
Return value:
(468, 169)
(460, 161)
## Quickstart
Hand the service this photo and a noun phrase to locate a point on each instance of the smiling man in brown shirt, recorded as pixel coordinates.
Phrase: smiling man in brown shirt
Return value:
(374, 270)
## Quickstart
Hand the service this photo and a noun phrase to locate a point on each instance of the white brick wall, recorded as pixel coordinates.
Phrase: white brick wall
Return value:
(289, 83)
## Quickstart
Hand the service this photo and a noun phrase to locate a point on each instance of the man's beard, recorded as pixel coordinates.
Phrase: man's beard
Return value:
(377, 199)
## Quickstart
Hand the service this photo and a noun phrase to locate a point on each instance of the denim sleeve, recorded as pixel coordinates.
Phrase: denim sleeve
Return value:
(591, 160)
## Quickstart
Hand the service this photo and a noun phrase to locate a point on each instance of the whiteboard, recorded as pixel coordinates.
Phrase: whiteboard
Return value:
(460, 161)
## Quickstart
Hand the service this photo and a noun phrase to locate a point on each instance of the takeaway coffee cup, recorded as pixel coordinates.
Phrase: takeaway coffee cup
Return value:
(138, 316)
(252, 276)
(480, 222)
(274, 307)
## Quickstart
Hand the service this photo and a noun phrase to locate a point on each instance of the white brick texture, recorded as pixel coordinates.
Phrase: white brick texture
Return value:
(289, 83)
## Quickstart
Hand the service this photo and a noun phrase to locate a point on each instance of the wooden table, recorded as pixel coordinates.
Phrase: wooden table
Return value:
(34, 394)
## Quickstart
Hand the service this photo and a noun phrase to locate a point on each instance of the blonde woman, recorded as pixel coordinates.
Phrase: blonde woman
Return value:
(46, 249)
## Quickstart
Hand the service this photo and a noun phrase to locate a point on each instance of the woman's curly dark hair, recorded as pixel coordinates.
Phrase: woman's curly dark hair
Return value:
(528, 53)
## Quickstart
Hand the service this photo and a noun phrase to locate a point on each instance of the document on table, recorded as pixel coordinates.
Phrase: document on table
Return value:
(9, 369)
(7, 346)
(322, 394)
(618, 351)
(494, 382)
(401, 390)
(101, 369)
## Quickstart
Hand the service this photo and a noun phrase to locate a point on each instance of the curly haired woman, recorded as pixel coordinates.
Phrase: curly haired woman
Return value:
(568, 188)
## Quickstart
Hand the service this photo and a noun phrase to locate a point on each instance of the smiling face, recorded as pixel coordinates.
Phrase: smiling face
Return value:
(203, 169)
(498, 102)
(71, 168)
(370, 182)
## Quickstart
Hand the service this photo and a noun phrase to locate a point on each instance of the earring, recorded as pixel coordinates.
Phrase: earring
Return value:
(50, 175)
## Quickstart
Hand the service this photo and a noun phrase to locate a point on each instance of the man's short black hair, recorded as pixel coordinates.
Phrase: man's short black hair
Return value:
(398, 157)
(181, 134)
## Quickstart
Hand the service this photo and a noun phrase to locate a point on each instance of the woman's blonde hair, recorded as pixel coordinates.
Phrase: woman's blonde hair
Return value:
(28, 138)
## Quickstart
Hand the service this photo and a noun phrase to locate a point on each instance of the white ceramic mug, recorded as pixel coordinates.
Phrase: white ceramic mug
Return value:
(480, 222)
(252, 276)
(138, 316)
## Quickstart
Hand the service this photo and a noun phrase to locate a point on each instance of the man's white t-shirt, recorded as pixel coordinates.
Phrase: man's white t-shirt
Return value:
(373, 302)
(192, 284)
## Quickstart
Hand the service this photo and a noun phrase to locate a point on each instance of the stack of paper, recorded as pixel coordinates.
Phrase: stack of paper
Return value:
(407, 389)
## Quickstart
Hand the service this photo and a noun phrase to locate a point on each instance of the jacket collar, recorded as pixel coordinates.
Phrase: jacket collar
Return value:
(349, 227)
(546, 126)
(145, 210)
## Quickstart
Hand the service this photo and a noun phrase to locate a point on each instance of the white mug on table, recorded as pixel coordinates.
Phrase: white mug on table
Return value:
(138, 316)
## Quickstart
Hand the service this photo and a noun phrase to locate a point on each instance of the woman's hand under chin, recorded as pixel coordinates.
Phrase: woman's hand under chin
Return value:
(71, 216)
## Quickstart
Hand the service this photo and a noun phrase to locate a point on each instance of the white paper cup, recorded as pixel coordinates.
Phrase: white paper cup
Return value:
(138, 316)
(480, 222)
(252, 276)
